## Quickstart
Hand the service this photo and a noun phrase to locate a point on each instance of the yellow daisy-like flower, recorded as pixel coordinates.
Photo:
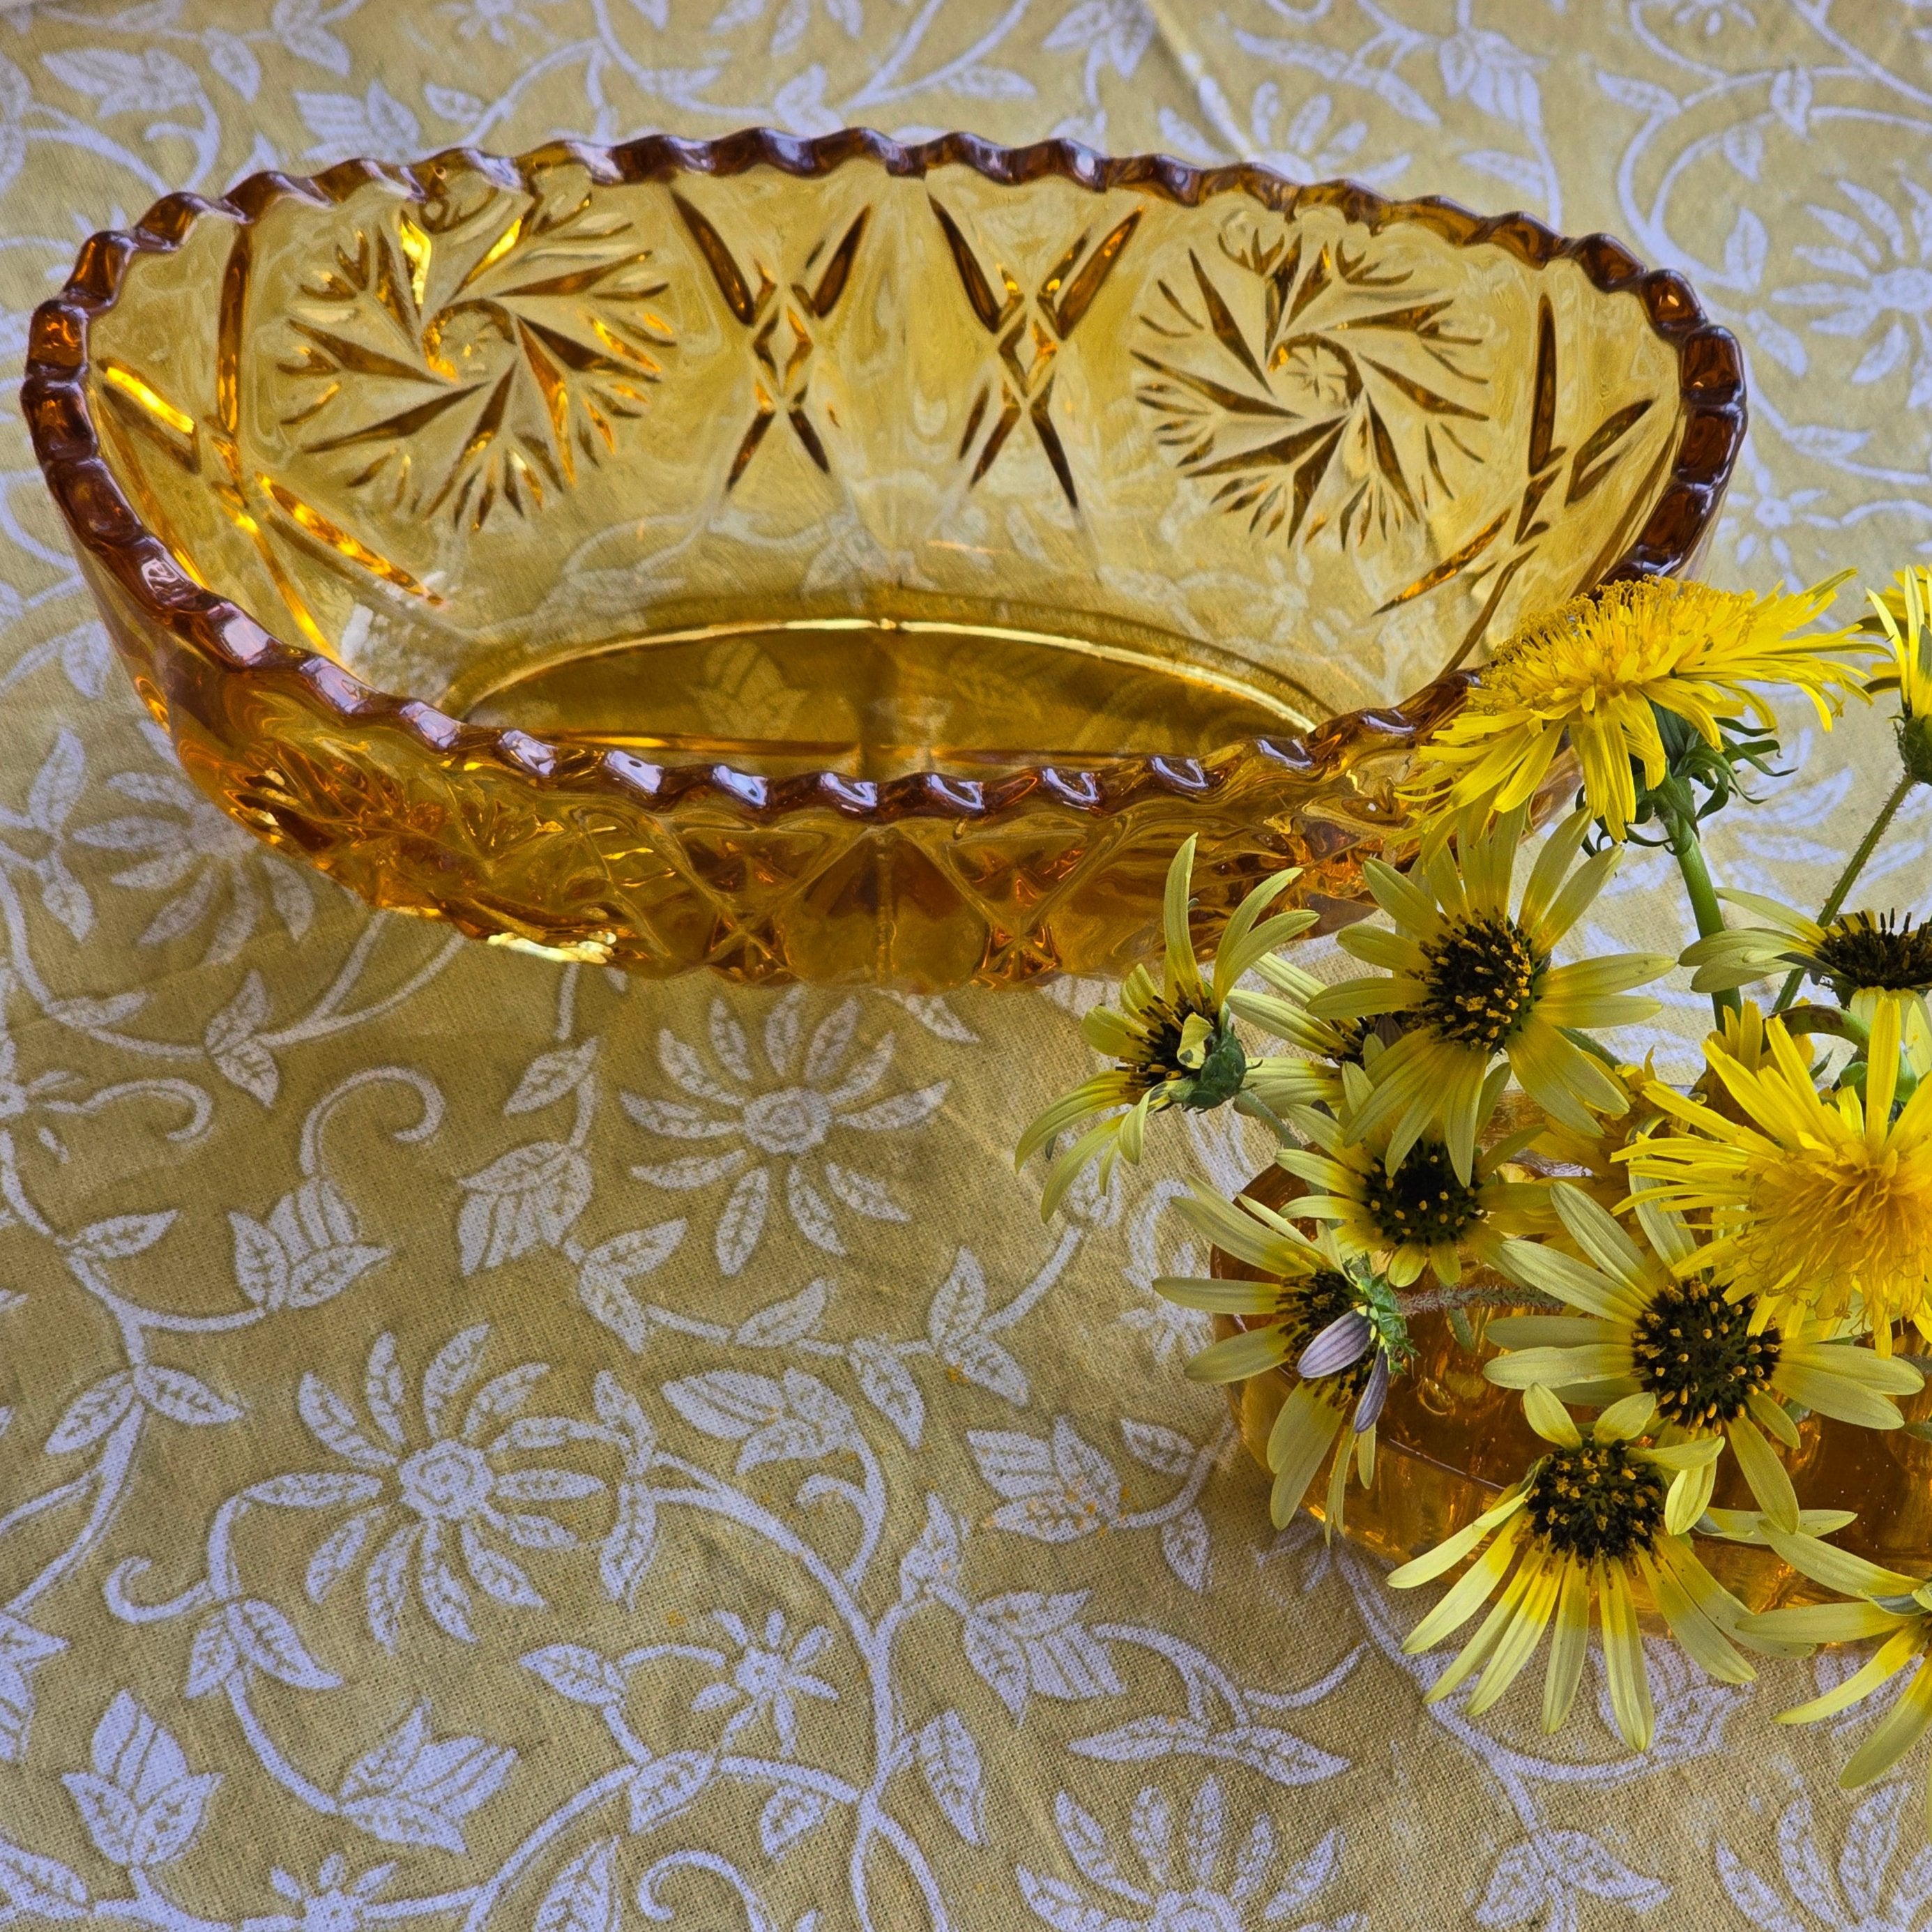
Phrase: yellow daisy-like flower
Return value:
(1311, 1077)
(1338, 1325)
(1421, 1214)
(1171, 1040)
(1821, 1201)
(1473, 979)
(1662, 1349)
(1864, 957)
(1904, 614)
(1586, 1522)
(1594, 669)
(1886, 1603)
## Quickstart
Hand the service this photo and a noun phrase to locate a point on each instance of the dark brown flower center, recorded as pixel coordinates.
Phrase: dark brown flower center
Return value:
(1877, 950)
(1309, 1305)
(1695, 1352)
(1422, 1201)
(1482, 976)
(1597, 1500)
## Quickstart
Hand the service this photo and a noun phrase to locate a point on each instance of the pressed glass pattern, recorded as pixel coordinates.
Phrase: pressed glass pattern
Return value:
(839, 560)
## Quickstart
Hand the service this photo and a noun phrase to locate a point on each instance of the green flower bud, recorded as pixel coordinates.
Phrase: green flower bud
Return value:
(1915, 747)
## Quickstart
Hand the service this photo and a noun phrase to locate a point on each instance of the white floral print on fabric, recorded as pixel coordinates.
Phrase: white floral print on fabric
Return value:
(487, 1448)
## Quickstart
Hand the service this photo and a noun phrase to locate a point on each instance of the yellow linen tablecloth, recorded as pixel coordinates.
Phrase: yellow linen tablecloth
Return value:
(481, 1444)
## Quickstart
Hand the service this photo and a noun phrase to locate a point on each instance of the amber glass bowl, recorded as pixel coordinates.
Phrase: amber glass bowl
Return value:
(1449, 1442)
(839, 560)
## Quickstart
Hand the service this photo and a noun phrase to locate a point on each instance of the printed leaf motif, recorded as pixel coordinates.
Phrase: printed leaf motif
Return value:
(182, 1397)
(1183, 1542)
(550, 1076)
(930, 1564)
(583, 1896)
(1061, 1488)
(949, 1760)
(790, 1811)
(92, 1414)
(29, 1883)
(605, 1272)
(266, 1638)
(527, 1198)
(21, 1647)
(580, 1674)
(626, 1552)
(412, 1789)
(239, 1057)
(888, 1386)
(1158, 1448)
(667, 1785)
(784, 1322)
(141, 1805)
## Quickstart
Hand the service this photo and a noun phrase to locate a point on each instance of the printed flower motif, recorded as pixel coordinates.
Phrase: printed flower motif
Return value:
(448, 1491)
(1421, 1214)
(333, 1906)
(784, 1130)
(1823, 1202)
(1757, 514)
(1172, 1042)
(1665, 1349)
(1336, 1322)
(1883, 276)
(1598, 670)
(1586, 1522)
(768, 1676)
(198, 853)
(1472, 980)
(1191, 1886)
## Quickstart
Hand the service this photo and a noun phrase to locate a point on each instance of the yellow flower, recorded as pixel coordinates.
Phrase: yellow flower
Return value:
(1865, 957)
(1311, 1077)
(1586, 1523)
(1471, 980)
(1172, 1041)
(1905, 615)
(1339, 1327)
(1822, 1202)
(1886, 1603)
(1600, 667)
(1421, 1214)
(1664, 1351)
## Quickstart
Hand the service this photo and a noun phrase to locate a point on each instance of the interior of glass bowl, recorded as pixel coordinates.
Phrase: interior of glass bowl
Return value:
(877, 470)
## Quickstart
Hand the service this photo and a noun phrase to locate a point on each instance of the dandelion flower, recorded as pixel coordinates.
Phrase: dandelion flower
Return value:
(1662, 1348)
(1583, 1526)
(1885, 1604)
(1600, 667)
(1821, 1201)
(1422, 1214)
(1172, 1041)
(1473, 979)
(1337, 1324)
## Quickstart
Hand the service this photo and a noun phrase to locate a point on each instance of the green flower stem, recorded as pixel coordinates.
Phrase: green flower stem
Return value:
(1258, 1109)
(1687, 850)
(1849, 878)
(1810, 1019)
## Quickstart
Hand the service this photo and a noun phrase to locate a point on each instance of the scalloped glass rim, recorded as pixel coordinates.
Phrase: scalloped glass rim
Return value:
(218, 642)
